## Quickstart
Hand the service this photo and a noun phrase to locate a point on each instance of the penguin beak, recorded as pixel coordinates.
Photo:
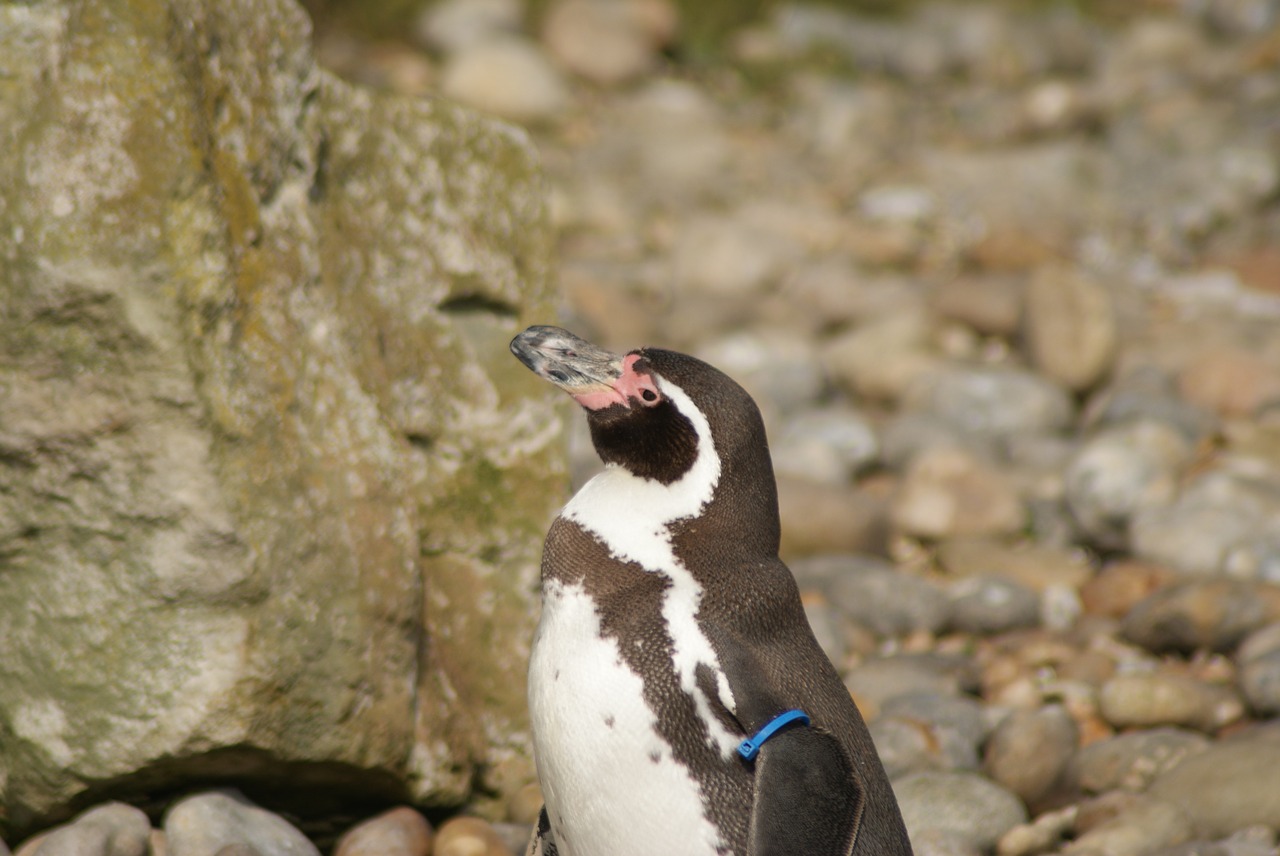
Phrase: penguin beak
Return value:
(596, 378)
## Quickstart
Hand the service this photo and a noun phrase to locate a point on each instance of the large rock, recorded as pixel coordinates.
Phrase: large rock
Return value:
(271, 488)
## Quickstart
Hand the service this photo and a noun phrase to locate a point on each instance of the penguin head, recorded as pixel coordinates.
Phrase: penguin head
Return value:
(652, 411)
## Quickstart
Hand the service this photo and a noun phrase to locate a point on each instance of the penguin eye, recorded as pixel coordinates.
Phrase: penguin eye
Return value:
(649, 395)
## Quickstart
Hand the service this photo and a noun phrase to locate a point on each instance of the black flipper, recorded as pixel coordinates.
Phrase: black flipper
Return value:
(542, 842)
(807, 799)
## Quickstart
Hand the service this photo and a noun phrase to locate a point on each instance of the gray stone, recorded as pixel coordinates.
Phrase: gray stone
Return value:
(994, 401)
(1029, 198)
(1215, 516)
(889, 602)
(879, 680)
(973, 809)
(840, 121)
(908, 745)
(988, 605)
(1250, 841)
(261, 432)
(830, 444)
(780, 371)
(452, 25)
(670, 133)
(114, 829)
(896, 203)
(723, 256)
(941, 712)
(1130, 761)
(1259, 664)
(1237, 17)
(1120, 472)
(209, 822)
(1229, 786)
(908, 434)
(1148, 394)
(905, 747)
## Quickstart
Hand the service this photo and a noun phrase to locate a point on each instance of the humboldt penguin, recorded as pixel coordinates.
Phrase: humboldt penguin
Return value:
(679, 703)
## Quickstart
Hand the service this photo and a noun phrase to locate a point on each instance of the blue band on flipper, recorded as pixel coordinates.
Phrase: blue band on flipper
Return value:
(751, 746)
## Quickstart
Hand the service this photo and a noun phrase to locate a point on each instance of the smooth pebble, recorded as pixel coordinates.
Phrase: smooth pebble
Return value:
(207, 822)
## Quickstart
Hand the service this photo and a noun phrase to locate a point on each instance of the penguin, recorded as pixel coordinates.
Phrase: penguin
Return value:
(679, 703)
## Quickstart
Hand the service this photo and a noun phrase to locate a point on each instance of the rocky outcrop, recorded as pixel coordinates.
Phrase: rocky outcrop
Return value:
(271, 487)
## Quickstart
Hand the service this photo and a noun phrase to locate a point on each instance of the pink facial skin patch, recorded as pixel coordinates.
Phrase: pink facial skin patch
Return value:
(631, 385)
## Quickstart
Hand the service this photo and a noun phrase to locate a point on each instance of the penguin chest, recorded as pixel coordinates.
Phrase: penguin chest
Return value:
(610, 781)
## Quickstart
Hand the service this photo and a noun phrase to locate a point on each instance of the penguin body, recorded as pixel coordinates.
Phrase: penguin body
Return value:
(671, 632)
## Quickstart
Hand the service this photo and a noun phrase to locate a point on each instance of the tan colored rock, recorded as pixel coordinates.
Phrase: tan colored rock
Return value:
(881, 358)
(949, 492)
(1144, 825)
(608, 41)
(1069, 326)
(1148, 700)
(398, 832)
(1119, 586)
(525, 805)
(826, 518)
(991, 304)
(1036, 566)
(507, 76)
(1028, 752)
(1230, 382)
(469, 836)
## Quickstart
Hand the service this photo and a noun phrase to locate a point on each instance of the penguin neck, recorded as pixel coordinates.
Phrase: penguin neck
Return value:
(638, 518)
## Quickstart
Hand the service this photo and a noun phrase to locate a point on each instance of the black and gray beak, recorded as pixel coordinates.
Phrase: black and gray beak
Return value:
(573, 364)
(597, 379)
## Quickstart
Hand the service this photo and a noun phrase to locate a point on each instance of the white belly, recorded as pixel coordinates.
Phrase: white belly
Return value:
(610, 784)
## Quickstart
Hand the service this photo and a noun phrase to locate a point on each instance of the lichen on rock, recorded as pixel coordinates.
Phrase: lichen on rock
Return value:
(267, 481)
